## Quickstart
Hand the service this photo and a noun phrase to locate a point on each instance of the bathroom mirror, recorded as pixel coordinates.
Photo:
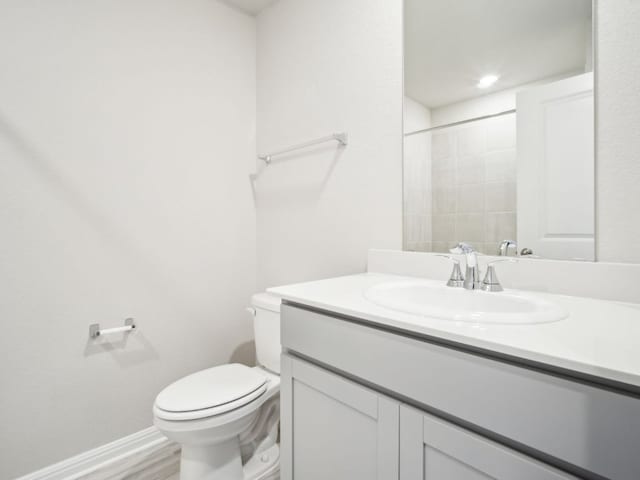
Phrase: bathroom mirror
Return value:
(499, 127)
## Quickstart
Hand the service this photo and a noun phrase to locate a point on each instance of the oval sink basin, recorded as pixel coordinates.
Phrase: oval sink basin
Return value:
(432, 300)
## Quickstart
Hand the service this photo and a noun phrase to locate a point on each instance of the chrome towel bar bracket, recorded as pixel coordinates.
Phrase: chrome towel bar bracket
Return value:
(95, 332)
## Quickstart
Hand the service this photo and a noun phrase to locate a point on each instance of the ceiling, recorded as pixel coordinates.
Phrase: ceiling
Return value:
(252, 7)
(450, 45)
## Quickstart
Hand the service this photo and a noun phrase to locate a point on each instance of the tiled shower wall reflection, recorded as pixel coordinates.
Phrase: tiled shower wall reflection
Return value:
(472, 192)
(417, 193)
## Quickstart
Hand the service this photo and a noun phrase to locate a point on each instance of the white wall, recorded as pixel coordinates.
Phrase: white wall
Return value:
(416, 116)
(125, 131)
(328, 66)
(617, 130)
(489, 104)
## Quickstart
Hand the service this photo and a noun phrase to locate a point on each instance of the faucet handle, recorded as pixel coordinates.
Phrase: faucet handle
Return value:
(462, 248)
(491, 282)
(456, 279)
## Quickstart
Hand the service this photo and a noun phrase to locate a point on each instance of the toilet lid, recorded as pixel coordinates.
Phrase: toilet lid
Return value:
(214, 387)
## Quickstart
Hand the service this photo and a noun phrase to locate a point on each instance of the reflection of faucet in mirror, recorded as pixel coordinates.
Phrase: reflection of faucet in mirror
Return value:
(506, 247)
(472, 272)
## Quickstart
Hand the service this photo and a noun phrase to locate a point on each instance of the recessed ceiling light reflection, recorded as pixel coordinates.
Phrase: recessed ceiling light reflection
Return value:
(487, 81)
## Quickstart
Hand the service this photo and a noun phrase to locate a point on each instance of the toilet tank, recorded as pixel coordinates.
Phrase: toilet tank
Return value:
(266, 326)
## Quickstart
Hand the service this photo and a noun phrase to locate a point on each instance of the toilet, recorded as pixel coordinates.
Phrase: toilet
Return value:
(226, 418)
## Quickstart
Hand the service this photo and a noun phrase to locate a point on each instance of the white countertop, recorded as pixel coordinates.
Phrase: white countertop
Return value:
(599, 338)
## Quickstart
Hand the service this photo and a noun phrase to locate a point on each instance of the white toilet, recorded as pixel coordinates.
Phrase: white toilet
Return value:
(226, 418)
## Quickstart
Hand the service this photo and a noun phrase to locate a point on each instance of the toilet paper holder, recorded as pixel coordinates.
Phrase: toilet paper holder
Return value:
(95, 331)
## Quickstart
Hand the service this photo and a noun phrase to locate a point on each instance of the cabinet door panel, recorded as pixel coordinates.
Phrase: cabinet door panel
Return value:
(438, 465)
(342, 430)
(432, 449)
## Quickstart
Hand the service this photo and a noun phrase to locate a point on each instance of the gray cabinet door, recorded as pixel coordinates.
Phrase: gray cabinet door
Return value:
(433, 449)
(335, 429)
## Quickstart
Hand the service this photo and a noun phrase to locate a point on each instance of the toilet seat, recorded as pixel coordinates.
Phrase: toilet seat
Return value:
(210, 392)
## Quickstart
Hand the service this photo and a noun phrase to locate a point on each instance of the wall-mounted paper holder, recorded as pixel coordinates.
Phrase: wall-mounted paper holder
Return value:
(95, 332)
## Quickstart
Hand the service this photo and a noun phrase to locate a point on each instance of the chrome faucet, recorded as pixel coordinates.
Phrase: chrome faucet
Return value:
(472, 272)
(471, 279)
(507, 246)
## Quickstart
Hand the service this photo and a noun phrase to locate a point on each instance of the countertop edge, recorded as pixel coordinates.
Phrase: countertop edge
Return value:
(624, 382)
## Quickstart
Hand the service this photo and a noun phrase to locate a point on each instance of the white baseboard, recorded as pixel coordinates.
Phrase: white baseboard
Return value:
(147, 450)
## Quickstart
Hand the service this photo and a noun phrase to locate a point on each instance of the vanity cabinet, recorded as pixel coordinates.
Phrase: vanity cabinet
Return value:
(336, 428)
(353, 393)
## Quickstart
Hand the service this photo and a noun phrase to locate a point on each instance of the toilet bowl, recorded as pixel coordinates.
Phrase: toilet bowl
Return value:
(226, 418)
